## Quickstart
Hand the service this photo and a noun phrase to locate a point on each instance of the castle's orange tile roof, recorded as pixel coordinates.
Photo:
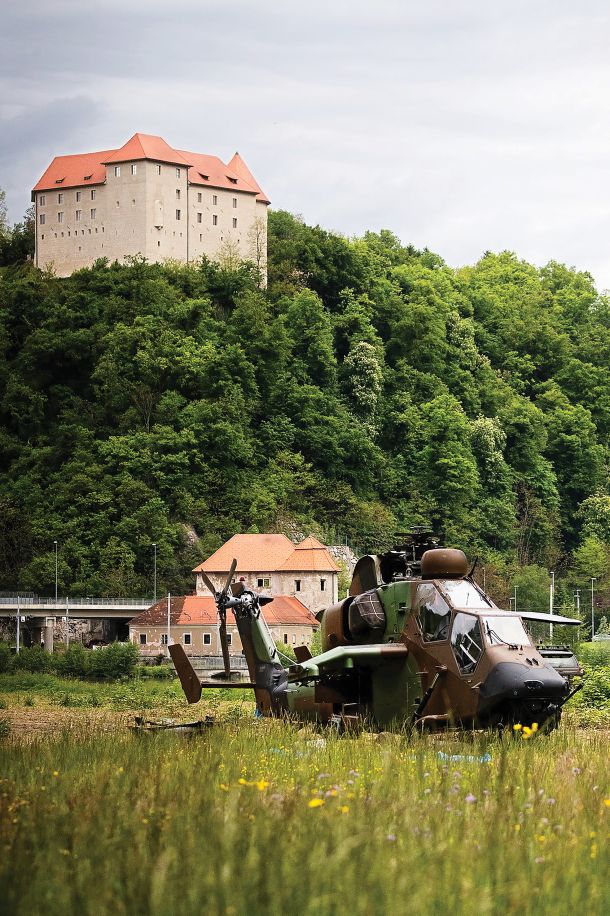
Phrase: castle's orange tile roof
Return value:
(85, 169)
(238, 165)
(147, 146)
(309, 559)
(200, 610)
(253, 552)
(72, 171)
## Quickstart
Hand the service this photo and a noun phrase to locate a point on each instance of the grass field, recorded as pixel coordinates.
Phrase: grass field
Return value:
(257, 817)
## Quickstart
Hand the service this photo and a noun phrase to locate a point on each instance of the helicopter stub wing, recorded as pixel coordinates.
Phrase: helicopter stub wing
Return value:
(347, 657)
(549, 618)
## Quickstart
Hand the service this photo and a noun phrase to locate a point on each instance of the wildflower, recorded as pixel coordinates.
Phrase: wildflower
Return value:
(593, 850)
(470, 799)
(224, 787)
(539, 860)
(534, 726)
(344, 809)
(331, 792)
(517, 727)
(550, 801)
(527, 732)
(315, 803)
(607, 802)
(391, 838)
(261, 785)
(242, 781)
(55, 772)
(575, 770)
(517, 828)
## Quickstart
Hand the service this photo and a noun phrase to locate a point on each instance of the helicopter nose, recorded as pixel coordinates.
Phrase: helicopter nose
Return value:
(513, 681)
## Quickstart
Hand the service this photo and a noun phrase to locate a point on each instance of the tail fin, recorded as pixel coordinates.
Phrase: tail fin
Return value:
(188, 678)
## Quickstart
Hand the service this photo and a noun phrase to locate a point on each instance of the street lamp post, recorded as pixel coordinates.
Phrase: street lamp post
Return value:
(551, 603)
(155, 574)
(593, 579)
(169, 620)
(55, 542)
(515, 598)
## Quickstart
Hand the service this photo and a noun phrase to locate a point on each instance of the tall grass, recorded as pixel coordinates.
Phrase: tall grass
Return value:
(264, 818)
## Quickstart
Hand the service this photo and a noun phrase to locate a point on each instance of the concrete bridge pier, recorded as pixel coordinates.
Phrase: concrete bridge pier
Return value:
(48, 628)
(36, 628)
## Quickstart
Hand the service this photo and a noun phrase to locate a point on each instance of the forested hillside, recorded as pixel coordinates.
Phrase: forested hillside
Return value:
(368, 388)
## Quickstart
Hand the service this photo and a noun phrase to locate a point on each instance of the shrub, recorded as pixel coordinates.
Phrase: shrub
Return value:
(116, 660)
(5, 657)
(34, 659)
(286, 653)
(74, 662)
(155, 672)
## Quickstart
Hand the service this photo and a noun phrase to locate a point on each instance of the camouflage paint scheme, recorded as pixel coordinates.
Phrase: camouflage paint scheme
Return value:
(381, 667)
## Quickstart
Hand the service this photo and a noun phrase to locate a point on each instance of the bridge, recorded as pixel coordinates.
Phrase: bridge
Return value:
(35, 606)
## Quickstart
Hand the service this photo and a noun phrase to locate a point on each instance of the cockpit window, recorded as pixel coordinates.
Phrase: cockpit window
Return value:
(505, 631)
(433, 613)
(464, 593)
(466, 641)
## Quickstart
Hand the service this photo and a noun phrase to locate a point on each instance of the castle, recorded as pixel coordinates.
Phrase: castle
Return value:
(148, 199)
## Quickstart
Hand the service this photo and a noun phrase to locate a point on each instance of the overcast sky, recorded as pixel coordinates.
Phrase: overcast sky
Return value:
(463, 125)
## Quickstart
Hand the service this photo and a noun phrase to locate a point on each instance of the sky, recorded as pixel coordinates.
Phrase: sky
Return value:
(463, 126)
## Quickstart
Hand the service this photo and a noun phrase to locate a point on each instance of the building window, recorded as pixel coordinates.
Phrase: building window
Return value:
(207, 639)
(322, 585)
(93, 213)
(134, 169)
(294, 639)
(177, 193)
(42, 200)
(286, 638)
(263, 583)
(234, 223)
(158, 170)
(163, 639)
(60, 216)
(142, 639)
(42, 219)
(229, 638)
(199, 217)
(177, 173)
(199, 197)
(178, 214)
(235, 203)
(117, 171)
(60, 198)
(214, 220)
(187, 639)
(79, 215)
(93, 193)
(297, 585)
(214, 199)
(42, 237)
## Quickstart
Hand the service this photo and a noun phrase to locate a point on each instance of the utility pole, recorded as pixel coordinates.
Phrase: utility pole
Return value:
(515, 598)
(551, 603)
(169, 605)
(55, 542)
(67, 622)
(18, 621)
(155, 575)
(577, 596)
(593, 579)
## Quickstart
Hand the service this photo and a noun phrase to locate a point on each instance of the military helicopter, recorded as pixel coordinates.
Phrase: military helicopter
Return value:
(415, 643)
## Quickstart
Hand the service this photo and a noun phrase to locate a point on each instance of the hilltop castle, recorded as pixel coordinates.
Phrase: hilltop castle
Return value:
(150, 199)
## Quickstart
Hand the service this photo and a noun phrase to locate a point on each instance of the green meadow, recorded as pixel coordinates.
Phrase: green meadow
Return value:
(266, 817)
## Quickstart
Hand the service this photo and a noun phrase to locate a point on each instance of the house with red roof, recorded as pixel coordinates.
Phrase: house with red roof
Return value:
(271, 564)
(193, 622)
(147, 198)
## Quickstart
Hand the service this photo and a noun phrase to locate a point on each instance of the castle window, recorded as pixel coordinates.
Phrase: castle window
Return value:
(177, 173)
(42, 236)
(229, 638)
(286, 638)
(214, 220)
(200, 237)
(42, 200)
(297, 585)
(142, 639)
(177, 193)
(263, 583)
(158, 170)
(235, 203)
(79, 215)
(93, 213)
(60, 216)
(234, 223)
(199, 217)
(178, 214)
(42, 219)
(117, 171)
(134, 169)
(163, 639)
(93, 193)
(158, 244)
(199, 197)
(187, 639)
(60, 198)
(215, 199)
(78, 196)
(294, 639)
(322, 585)
(207, 639)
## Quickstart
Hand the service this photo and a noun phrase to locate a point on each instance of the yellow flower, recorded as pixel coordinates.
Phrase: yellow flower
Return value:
(607, 802)
(55, 772)
(517, 727)
(344, 809)
(315, 803)
(534, 726)
(224, 787)
(261, 784)
(242, 781)
(526, 731)
(517, 828)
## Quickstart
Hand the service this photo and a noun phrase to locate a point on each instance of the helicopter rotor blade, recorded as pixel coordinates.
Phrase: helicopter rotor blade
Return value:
(222, 632)
(227, 584)
(209, 584)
